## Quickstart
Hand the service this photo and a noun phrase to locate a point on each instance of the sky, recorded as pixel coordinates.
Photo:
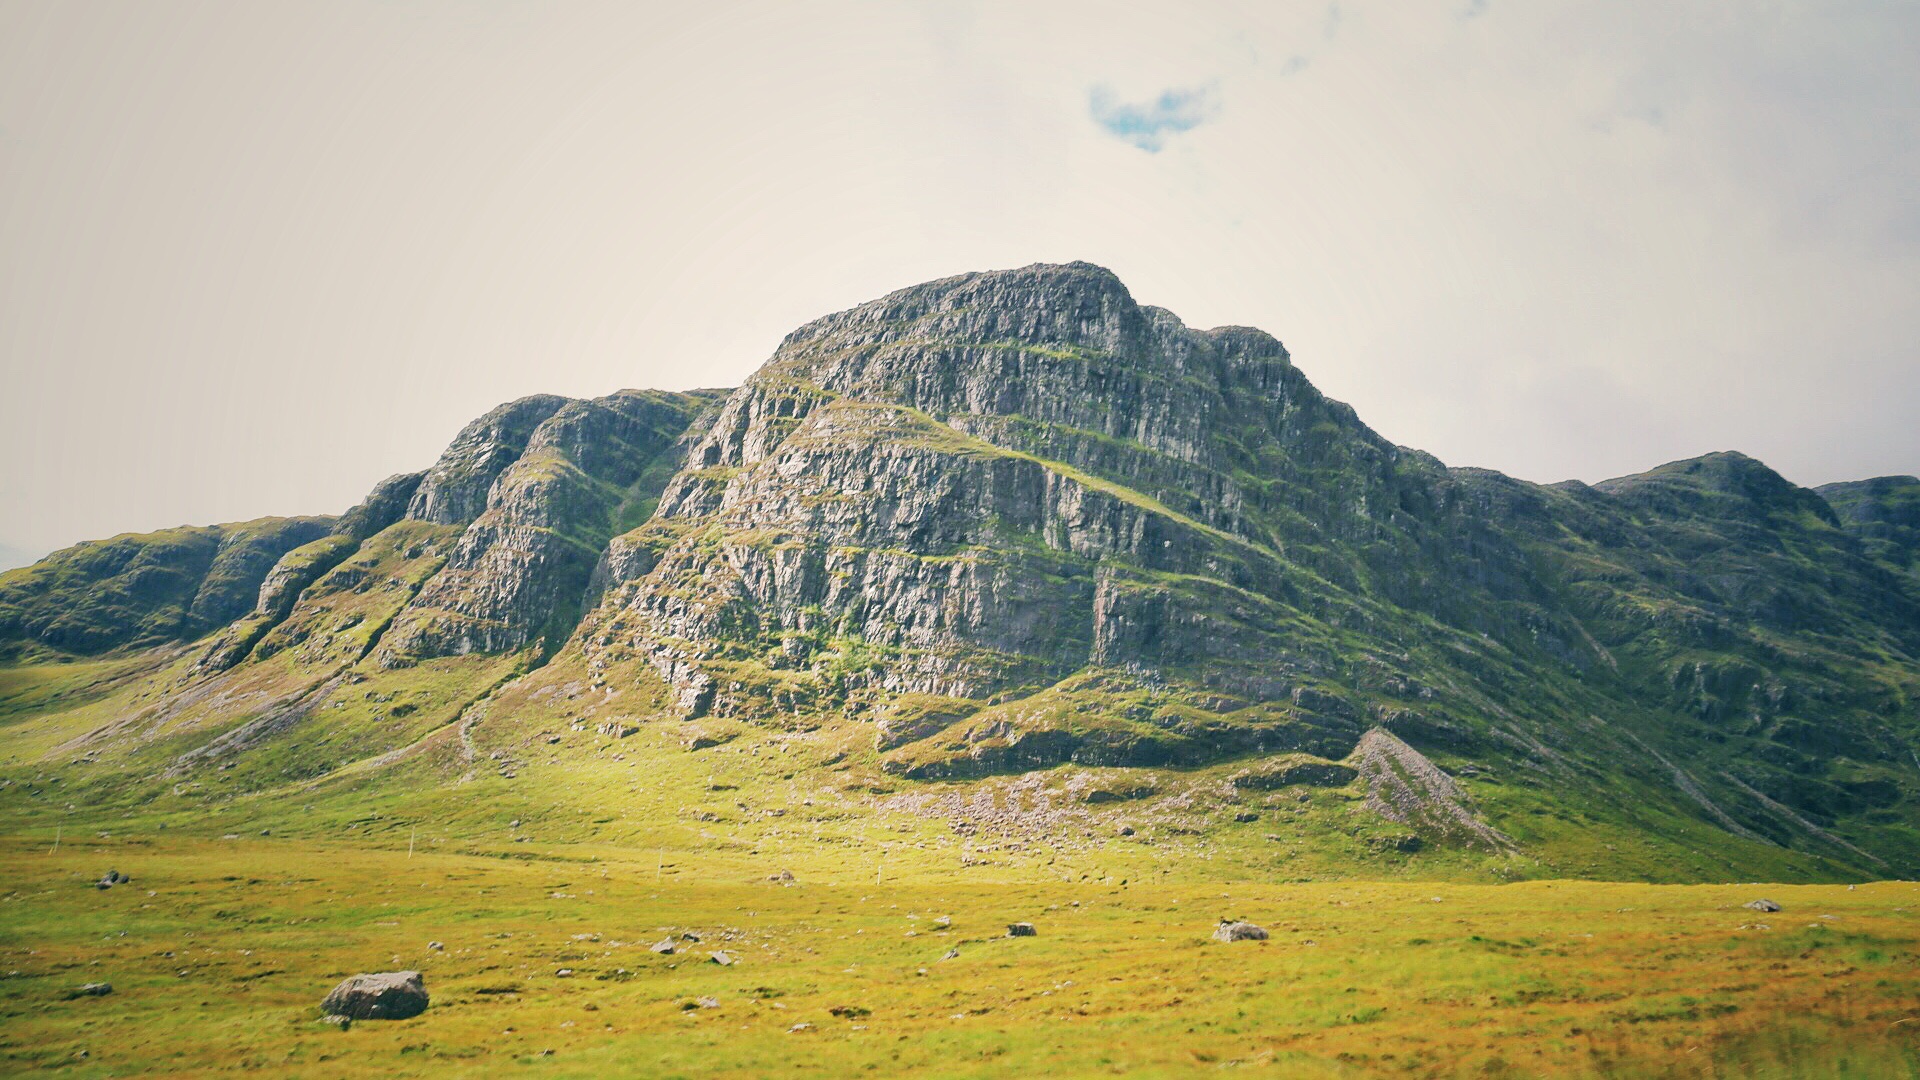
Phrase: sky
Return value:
(257, 255)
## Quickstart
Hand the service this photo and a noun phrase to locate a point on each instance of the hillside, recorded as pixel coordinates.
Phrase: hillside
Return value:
(1006, 561)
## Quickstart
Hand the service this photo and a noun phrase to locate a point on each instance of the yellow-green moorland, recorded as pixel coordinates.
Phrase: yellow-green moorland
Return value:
(219, 951)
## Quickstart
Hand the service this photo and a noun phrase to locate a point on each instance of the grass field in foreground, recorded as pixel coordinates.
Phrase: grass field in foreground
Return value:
(219, 953)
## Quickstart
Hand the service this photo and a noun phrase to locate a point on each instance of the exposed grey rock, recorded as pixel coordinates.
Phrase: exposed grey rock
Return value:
(98, 989)
(1021, 929)
(552, 500)
(110, 879)
(664, 947)
(455, 490)
(1403, 786)
(724, 959)
(389, 995)
(904, 475)
(1761, 905)
(1235, 930)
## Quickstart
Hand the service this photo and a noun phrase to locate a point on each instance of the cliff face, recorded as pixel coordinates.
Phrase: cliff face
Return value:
(990, 482)
(523, 564)
(1009, 520)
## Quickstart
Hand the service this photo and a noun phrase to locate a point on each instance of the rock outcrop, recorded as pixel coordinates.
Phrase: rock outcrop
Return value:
(555, 491)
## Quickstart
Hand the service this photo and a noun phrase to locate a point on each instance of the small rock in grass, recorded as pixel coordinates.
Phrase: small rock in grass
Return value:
(1235, 930)
(689, 935)
(341, 1022)
(802, 1026)
(434, 946)
(387, 995)
(564, 973)
(1021, 929)
(112, 878)
(850, 1012)
(952, 954)
(724, 959)
(784, 877)
(664, 947)
(91, 990)
(1761, 905)
(709, 1003)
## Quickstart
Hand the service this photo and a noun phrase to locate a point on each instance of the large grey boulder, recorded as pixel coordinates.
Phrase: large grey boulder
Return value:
(387, 995)
(1232, 930)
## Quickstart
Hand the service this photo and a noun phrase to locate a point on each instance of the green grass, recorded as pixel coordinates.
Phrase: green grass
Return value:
(220, 950)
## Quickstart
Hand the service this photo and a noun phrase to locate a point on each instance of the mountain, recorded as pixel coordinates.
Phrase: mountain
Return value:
(1013, 536)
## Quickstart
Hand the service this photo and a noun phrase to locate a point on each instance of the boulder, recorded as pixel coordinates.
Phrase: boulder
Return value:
(1021, 929)
(1235, 930)
(724, 959)
(664, 947)
(91, 990)
(1761, 905)
(112, 878)
(387, 995)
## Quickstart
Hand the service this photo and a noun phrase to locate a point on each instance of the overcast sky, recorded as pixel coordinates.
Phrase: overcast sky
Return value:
(255, 256)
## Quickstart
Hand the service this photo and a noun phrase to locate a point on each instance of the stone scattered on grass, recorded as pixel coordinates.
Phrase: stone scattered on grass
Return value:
(335, 1020)
(434, 946)
(1236, 930)
(724, 959)
(1021, 929)
(664, 947)
(784, 877)
(386, 995)
(802, 1026)
(112, 878)
(1761, 905)
(91, 990)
